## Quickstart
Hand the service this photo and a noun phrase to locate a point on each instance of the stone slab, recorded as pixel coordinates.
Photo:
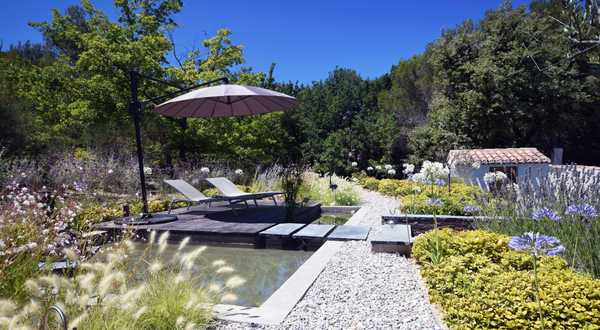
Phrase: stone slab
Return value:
(347, 233)
(314, 231)
(392, 234)
(282, 229)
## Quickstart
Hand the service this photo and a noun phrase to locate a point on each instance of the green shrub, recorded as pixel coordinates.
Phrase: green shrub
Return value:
(482, 284)
(454, 202)
(414, 196)
(388, 186)
(370, 183)
(317, 189)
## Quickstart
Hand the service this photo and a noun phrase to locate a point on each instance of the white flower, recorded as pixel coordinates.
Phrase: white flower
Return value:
(408, 168)
(239, 171)
(110, 171)
(493, 177)
(147, 170)
(378, 167)
(354, 164)
(431, 172)
(476, 165)
(370, 168)
(388, 166)
(391, 172)
(205, 170)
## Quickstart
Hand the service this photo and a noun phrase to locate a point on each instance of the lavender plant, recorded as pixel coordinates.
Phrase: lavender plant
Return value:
(563, 205)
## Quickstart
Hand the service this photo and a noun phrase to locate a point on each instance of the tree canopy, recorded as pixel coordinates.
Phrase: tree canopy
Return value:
(523, 76)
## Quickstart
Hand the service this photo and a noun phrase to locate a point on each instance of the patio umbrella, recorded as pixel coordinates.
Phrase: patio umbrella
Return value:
(226, 101)
(218, 101)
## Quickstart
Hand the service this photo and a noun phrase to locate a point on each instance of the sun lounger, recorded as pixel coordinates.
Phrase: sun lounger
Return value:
(230, 191)
(192, 195)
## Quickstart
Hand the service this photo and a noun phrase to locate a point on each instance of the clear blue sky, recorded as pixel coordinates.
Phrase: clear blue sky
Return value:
(306, 38)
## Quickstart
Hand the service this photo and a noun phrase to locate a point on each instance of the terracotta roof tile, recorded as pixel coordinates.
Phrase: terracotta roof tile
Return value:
(499, 156)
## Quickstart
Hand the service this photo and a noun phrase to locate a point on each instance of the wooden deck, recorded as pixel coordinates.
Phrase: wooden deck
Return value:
(219, 224)
(264, 225)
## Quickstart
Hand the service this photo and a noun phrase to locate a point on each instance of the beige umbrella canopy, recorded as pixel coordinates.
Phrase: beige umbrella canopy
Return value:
(226, 101)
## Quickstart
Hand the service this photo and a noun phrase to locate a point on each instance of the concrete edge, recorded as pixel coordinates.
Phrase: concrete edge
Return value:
(276, 308)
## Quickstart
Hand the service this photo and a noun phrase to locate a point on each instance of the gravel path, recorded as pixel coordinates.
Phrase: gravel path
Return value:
(361, 290)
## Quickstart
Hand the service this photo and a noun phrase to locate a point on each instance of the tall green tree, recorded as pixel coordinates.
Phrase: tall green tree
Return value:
(503, 83)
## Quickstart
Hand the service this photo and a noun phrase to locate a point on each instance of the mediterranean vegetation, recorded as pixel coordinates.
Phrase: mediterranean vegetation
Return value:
(524, 76)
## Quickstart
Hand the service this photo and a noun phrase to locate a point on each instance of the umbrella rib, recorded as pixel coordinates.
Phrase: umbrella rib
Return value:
(274, 100)
(187, 104)
(258, 99)
(212, 113)
(199, 106)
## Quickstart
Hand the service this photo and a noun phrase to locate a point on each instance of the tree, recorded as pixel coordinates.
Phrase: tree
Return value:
(491, 92)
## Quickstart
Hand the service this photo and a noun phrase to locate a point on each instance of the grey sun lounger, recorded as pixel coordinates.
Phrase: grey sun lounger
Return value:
(192, 195)
(232, 193)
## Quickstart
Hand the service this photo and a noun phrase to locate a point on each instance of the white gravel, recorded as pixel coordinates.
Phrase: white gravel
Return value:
(361, 290)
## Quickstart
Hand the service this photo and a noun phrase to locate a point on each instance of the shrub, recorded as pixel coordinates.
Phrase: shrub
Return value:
(454, 202)
(482, 284)
(317, 189)
(413, 195)
(120, 291)
(370, 183)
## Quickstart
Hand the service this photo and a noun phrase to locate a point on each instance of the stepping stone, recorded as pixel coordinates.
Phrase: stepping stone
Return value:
(282, 229)
(347, 233)
(314, 231)
(392, 239)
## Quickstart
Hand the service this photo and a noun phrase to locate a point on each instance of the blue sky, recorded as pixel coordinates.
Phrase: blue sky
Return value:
(306, 38)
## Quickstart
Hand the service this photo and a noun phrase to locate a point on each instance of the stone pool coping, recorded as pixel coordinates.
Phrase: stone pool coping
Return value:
(276, 308)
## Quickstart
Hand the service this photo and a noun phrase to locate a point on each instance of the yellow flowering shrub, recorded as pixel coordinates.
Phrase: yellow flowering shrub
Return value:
(482, 284)
(414, 196)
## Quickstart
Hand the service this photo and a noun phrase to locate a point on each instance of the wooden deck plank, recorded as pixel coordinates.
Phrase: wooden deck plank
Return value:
(314, 231)
(222, 221)
(348, 233)
(282, 229)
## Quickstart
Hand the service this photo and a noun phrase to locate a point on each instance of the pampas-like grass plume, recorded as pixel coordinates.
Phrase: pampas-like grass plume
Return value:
(229, 298)
(183, 243)
(234, 282)
(162, 242)
(152, 237)
(225, 270)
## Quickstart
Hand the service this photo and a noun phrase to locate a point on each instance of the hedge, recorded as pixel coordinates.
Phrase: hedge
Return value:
(481, 284)
(413, 196)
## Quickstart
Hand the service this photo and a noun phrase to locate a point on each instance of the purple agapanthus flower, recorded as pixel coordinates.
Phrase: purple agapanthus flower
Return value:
(545, 212)
(471, 209)
(434, 202)
(583, 210)
(440, 182)
(536, 244)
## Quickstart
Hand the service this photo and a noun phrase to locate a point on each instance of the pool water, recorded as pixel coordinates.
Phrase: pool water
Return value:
(264, 270)
(333, 218)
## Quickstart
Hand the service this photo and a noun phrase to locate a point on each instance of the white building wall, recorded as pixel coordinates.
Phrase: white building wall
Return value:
(525, 172)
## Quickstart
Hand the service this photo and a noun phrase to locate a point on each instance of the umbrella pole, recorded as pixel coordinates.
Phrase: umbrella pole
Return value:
(135, 109)
(136, 112)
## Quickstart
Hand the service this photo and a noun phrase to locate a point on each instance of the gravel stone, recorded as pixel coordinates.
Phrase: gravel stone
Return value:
(361, 290)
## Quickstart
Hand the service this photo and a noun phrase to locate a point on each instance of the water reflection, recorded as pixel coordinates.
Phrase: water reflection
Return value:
(264, 270)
